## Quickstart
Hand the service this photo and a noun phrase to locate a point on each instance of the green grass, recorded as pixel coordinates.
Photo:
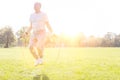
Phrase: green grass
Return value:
(63, 64)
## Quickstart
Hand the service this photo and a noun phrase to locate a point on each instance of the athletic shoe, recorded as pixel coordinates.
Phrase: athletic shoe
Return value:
(40, 61)
(36, 63)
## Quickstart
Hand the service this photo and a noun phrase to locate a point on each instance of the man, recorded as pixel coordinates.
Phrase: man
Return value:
(38, 22)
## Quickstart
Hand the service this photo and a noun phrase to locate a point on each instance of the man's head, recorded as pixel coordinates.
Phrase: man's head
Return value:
(37, 7)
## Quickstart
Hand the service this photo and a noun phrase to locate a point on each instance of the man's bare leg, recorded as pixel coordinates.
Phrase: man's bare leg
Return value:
(32, 50)
(37, 61)
(40, 52)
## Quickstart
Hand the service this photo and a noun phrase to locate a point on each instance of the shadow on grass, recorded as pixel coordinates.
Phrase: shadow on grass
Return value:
(41, 77)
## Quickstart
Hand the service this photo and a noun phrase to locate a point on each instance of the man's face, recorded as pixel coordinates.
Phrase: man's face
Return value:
(37, 7)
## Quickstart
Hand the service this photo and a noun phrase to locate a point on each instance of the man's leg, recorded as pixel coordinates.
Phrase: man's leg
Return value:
(32, 50)
(40, 52)
(40, 46)
(37, 59)
(33, 42)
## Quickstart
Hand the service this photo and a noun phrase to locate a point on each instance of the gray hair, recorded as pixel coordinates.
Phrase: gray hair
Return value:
(37, 3)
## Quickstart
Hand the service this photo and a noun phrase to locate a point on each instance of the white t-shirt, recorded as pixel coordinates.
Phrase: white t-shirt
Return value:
(38, 21)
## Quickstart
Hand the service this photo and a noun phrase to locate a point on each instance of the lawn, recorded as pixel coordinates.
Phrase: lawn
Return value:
(61, 64)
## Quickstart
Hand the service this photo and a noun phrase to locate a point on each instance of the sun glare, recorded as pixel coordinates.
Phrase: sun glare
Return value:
(71, 33)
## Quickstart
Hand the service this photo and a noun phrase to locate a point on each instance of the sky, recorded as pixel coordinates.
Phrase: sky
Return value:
(92, 17)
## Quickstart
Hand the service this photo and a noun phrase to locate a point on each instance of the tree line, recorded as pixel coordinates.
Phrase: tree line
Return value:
(8, 38)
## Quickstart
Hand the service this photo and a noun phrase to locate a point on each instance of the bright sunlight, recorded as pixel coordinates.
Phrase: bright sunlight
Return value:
(92, 17)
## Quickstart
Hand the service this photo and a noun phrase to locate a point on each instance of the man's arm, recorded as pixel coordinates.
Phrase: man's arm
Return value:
(49, 26)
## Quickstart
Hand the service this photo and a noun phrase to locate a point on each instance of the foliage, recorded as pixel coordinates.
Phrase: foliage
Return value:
(6, 36)
(80, 40)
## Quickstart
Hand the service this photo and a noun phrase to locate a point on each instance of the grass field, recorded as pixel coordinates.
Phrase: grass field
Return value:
(63, 64)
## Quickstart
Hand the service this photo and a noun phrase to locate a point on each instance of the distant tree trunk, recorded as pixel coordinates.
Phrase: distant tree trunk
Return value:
(7, 42)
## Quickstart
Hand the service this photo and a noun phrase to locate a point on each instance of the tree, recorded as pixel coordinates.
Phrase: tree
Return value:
(81, 40)
(6, 36)
(117, 41)
(108, 40)
(92, 41)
